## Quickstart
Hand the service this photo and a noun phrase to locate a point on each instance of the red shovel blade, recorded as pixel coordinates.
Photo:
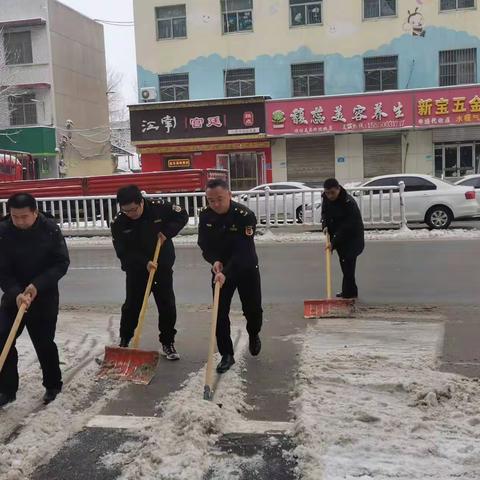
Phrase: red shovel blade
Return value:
(335, 307)
(137, 366)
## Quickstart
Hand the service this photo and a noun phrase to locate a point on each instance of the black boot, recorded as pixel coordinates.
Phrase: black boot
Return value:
(50, 395)
(225, 364)
(124, 342)
(5, 399)
(339, 295)
(254, 345)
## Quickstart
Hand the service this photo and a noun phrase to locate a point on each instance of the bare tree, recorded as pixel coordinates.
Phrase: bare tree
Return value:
(116, 103)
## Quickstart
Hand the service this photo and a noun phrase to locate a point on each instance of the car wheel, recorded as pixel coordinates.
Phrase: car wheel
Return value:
(439, 217)
(299, 215)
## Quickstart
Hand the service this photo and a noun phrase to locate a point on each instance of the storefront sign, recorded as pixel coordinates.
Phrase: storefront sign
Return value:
(390, 111)
(448, 107)
(179, 163)
(177, 123)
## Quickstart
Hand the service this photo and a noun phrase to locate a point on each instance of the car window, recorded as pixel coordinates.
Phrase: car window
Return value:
(284, 187)
(417, 184)
(383, 182)
(470, 182)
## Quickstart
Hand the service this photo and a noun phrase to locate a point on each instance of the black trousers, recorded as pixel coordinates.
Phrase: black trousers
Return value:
(249, 290)
(41, 323)
(348, 263)
(162, 290)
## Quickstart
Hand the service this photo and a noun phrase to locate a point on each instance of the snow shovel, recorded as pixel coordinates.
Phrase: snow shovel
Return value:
(133, 364)
(330, 307)
(208, 389)
(12, 335)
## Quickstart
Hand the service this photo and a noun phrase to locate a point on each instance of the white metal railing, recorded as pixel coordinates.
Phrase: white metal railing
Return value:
(382, 206)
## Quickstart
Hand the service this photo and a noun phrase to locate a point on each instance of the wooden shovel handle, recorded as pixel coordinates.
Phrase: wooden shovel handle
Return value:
(12, 335)
(328, 267)
(143, 311)
(213, 337)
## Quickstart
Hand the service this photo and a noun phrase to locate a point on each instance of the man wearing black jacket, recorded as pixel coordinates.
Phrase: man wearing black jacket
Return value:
(33, 258)
(342, 219)
(135, 231)
(225, 236)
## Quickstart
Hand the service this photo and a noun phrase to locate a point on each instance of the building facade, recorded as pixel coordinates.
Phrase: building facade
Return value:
(321, 49)
(53, 78)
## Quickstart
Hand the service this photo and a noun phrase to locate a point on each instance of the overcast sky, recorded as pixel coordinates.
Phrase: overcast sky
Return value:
(119, 41)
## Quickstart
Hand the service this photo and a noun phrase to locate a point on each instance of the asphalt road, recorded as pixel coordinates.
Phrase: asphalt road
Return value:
(441, 272)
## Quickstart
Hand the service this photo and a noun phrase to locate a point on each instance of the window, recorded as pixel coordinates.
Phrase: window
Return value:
(173, 87)
(471, 182)
(381, 73)
(239, 82)
(23, 109)
(305, 12)
(171, 22)
(18, 48)
(456, 4)
(458, 67)
(308, 79)
(379, 8)
(237, 15)
(417, 184)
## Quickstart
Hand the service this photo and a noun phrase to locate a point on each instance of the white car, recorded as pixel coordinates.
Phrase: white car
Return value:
(427, 200)
(470, 181)
(284, 202)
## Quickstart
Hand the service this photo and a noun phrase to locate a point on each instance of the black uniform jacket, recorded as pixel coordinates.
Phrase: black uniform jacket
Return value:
(344, 222)
(135, 240)
(228, 238)
(38, 255)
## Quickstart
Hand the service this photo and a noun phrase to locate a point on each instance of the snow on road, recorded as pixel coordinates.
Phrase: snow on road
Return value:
(38, 433)
(179, 445)
(370, 405)
(308, 237)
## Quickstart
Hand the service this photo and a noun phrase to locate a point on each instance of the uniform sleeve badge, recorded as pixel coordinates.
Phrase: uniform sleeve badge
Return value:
(177, 208)
(249, 231)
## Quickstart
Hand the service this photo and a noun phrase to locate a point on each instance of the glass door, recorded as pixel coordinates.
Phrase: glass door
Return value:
(466, 160)
(243, 171)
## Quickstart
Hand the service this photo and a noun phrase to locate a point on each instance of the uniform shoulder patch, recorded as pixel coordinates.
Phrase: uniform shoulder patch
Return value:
(176, 208)
(249, 230)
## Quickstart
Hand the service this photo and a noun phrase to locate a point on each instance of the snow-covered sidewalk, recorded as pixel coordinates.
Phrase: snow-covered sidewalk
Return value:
(371, 405)
(273, 236)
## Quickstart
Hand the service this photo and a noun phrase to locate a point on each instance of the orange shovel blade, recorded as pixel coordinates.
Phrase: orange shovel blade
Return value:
(136, 366)
(335, 307)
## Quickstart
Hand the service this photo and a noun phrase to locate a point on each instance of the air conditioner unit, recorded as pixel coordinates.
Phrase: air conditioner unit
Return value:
(148, 94)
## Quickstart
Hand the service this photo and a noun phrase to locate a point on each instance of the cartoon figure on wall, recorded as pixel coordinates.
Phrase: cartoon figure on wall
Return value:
(415, 23)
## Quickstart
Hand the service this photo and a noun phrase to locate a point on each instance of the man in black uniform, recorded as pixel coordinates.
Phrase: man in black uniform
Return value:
(342, 219)
(225, 236)
(135, 231)
(33, 258)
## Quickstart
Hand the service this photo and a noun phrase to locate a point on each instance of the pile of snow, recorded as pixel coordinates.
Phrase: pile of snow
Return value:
(40, 434)
(178, 446)
(371, 405)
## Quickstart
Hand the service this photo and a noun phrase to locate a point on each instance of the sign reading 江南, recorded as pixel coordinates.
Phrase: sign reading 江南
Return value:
(375, 112)
(179, 122)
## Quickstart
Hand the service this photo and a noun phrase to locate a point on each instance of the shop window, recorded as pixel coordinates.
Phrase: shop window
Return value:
(237, 15)
(173, 87)
(305, 12)
(243, 171)
(456, 160)
(239, 82)
(171, 22)
(308, 79)
(18, 48)
(458, 67)
(456, 4)
(379, 8)
(23, 109)
(381, 73)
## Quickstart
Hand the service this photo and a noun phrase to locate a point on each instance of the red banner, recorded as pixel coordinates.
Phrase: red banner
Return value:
(447, 107)
(374, 111)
